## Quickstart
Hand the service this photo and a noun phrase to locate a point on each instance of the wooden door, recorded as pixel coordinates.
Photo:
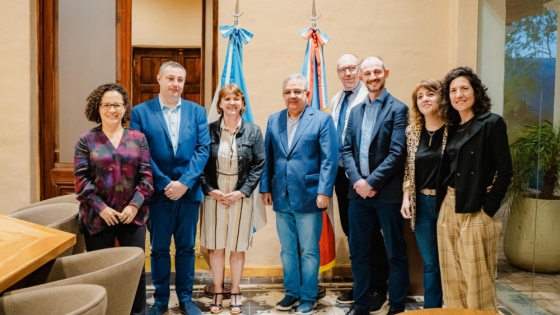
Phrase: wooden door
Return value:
(146, 66)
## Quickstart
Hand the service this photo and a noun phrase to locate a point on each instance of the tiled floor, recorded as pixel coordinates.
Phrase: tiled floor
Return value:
(260, 295)
(523, 292)
(519, 292)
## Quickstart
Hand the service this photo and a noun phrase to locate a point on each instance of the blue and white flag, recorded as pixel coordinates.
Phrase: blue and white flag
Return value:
(233, 73)
(233, 68)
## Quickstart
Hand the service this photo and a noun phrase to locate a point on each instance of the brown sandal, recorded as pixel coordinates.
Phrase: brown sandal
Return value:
(238, 306)
(216, 305)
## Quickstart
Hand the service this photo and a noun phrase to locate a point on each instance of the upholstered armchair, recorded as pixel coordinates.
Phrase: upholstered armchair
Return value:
(64, 300)
(116, 269)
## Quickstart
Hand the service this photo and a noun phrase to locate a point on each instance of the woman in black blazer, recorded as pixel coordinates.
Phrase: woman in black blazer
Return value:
(468, 229)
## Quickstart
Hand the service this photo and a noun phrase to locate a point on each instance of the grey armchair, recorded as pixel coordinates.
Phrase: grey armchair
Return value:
(65, 300)
(116, 269)
(60, 199)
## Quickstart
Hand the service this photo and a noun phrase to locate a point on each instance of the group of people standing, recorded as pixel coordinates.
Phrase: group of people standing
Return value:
(454, 154)
(447, 169)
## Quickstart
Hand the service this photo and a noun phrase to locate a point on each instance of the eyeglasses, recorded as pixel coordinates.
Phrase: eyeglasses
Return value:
(288, 93)
(351, 68)
(116, 106)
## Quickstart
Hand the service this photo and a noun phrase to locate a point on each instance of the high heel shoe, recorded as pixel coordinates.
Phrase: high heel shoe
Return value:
(216, 308)
(235, 309)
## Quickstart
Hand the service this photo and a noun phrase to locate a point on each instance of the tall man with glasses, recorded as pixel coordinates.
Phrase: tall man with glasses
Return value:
(297, 181)
(353, 93)
(177, 134)
(374, 152)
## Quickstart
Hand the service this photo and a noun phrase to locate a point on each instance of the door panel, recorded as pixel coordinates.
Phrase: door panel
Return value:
(146, 66)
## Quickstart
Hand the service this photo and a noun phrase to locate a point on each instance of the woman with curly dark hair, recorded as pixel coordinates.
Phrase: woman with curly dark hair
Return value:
(113, 178)
(424, 171)
(480, 173)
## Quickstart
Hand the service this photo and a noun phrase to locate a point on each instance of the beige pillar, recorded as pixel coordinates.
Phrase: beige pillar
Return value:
(19, 172)
(491, 50)
(464, 26)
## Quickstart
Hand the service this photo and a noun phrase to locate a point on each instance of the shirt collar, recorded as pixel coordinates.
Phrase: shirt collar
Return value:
(223, 125)
(298, 117)
(163, 106)
(381, 98)
(356, 89)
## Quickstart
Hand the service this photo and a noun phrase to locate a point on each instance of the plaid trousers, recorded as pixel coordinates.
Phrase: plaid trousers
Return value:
(468, 249)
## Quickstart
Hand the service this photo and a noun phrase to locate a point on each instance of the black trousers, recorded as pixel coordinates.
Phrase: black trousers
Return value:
(380, 264)
(127, 235)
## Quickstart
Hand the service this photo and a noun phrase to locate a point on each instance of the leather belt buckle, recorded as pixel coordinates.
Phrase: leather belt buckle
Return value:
(428, 192)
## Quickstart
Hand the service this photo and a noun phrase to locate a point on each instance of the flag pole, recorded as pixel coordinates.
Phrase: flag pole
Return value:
(236, 15)
(313, 16)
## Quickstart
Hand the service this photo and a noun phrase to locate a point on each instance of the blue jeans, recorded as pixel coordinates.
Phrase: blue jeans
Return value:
(364, 215)
(426, 237)
(178, 219)
(299, 235)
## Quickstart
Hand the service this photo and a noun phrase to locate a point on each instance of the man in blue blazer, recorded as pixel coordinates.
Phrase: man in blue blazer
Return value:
(298, 178)
(177, 133)
(373, 154)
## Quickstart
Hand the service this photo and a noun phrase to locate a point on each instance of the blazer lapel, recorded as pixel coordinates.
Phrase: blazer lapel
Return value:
(383, 111)
(475, 128)
(159, 114)
(185, 121)
(283, 124)
(358, 127)
(304, 121)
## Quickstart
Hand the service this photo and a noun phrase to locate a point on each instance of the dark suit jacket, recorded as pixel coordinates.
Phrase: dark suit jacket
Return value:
(387, 150)
(187, 164)
(250, 158)
(307, 168)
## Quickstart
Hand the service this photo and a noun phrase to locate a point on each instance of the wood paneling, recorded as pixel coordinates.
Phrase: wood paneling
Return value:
(147, 62)
(57, 178)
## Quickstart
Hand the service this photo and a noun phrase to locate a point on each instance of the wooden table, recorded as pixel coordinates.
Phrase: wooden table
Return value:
(447, 311)
(26, 246)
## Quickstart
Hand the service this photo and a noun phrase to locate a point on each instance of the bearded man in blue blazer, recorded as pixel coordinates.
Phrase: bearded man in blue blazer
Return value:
(177, 134)
(301, 162)
(373, 155)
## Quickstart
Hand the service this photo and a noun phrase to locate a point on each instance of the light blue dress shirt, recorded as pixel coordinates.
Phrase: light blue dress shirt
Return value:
(370, 117)
(173, 120)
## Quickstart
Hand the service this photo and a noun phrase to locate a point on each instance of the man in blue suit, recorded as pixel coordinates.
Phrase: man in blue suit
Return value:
(298, 178)
(373, 154)
(177, 133)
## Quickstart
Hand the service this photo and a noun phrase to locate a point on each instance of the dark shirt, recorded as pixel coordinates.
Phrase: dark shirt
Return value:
(452, 151)
(428, 157)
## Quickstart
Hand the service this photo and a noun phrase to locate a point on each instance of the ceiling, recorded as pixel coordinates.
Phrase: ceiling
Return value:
(517, 9)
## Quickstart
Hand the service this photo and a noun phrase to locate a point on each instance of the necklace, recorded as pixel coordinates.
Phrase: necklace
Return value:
(465, 125)
(431, 134)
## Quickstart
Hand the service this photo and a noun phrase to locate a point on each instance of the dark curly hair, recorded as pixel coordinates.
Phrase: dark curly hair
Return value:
(94, 100)
(482, 102)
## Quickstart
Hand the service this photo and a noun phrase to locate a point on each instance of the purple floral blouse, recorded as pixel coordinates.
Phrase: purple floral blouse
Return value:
(105, 176)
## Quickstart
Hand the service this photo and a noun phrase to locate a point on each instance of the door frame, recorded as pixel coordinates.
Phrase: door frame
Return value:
(57, 178)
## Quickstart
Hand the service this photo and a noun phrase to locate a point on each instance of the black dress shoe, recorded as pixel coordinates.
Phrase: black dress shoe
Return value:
(356, 311)
(394, 312)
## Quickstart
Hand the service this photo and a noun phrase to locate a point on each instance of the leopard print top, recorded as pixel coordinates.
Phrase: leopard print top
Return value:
(413, 133)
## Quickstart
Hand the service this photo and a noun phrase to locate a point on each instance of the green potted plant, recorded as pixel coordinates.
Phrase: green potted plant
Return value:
(532, 236)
